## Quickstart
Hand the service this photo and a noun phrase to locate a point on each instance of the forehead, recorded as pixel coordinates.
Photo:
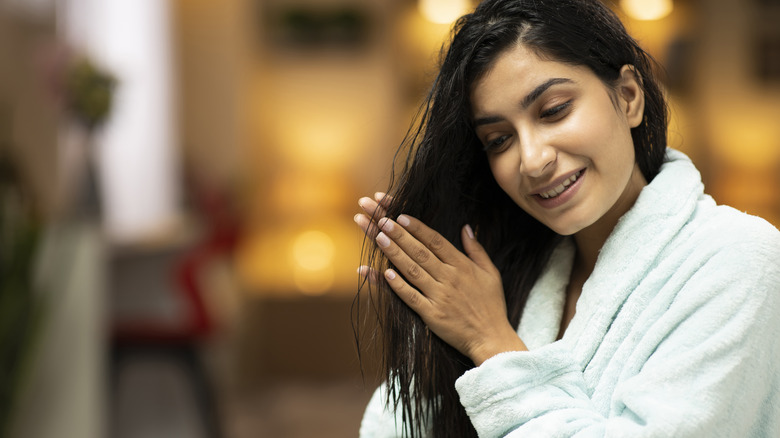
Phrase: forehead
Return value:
(515, 72)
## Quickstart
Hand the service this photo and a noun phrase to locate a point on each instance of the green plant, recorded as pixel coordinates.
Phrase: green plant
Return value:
(89, 92)
(20, 304)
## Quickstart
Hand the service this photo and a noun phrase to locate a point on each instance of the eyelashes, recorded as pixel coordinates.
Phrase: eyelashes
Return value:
(495, 145)
(555, 112)
(548, 115)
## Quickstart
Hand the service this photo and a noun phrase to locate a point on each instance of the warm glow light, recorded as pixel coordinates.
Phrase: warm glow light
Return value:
(647, 9)
(313, 250)
(313, 139)
(443, 11)
(312, 257)
(757, 139)
(301, 193)
(313, 253)
(313, 282)
(324, 142)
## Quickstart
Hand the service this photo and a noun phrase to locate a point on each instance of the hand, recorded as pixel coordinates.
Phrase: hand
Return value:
(375, 209)
(458, 296)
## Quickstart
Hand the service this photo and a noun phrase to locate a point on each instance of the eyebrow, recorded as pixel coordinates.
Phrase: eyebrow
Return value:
(527, 100)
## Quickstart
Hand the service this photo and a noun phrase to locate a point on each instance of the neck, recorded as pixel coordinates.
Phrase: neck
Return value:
(588, 247)
(590, 239)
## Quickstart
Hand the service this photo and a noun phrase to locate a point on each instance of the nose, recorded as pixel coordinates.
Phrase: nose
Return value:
(536, 157)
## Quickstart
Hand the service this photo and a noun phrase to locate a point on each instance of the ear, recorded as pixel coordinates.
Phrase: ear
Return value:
(631, 96)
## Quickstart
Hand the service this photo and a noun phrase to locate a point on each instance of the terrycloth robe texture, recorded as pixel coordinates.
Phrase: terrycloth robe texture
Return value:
(676, 334)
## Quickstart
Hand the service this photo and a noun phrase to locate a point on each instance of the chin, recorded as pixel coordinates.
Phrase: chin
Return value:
(567, 229)
(566, 232)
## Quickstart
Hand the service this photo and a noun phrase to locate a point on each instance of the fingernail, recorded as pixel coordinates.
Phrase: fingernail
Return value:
(362, 270)
(362, 221)
(386, 224)
(364, 202)
(383, 240)
(390, 274)
(404, 220)
(379, 195)
(469, 231)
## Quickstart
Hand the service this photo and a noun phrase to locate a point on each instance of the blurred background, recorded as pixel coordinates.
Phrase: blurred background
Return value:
(178, 180)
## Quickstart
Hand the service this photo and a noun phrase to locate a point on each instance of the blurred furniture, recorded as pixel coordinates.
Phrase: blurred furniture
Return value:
(159, 318)
(160, 311)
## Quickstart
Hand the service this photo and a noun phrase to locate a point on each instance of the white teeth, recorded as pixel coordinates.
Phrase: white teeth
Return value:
(558, 190)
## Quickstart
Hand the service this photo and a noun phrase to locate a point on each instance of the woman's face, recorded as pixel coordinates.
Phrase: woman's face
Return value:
(558, 140)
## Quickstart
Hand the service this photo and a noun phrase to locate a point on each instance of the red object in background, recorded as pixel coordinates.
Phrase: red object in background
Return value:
(185, 269)
(172, 276)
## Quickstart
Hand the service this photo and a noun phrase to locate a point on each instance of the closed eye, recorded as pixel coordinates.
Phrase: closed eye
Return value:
(556, 112)
(497, 145)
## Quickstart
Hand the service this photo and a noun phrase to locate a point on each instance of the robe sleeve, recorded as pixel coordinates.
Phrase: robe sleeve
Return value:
(379, 421)
(711, 373)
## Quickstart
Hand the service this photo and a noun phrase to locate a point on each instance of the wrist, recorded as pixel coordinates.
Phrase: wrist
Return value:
(497, 345)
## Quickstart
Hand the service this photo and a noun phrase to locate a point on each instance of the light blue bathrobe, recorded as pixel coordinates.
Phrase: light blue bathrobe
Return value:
(677, 332)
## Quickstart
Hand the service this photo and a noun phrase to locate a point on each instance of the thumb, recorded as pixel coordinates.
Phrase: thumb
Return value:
(474, 249)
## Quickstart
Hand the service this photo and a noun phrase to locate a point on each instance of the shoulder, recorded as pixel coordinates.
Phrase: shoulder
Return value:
(721, 228)
(723, 270)
(731, 256)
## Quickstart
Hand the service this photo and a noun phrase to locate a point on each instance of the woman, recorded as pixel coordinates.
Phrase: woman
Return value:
(546, 267)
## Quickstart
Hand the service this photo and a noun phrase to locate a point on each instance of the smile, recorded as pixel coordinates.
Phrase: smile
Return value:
(561, 187)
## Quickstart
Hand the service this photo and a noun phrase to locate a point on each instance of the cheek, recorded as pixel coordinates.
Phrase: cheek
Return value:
(622, 153)
(606, 140)
(502, 172)
(587, 132)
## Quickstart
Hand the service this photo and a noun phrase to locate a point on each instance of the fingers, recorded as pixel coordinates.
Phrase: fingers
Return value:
(440, 247)
(373, 212)
(373, 209)
(367, 225)
(424, 246)
(411, 258)
(409, 295)
(368, 273)
(431, 240)
(383, 199)
(474, 249)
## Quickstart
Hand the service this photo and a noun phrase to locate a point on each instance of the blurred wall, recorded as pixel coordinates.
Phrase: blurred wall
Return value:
(28, 114)
(721, 65)
(298, 129)
(737, 106)
(213, 56)
(294, 121)
(294, 130)
(136, 149)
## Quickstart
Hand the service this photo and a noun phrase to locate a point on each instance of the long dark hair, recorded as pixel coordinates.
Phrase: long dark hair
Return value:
(445, 181)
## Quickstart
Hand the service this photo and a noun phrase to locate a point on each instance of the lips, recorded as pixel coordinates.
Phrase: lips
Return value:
(560, 188)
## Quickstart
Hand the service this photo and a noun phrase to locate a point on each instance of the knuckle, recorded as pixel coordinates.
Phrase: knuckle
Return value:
(439, 315)
(421, 254)
(414, 272)
(413, 298)
(437, 242)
